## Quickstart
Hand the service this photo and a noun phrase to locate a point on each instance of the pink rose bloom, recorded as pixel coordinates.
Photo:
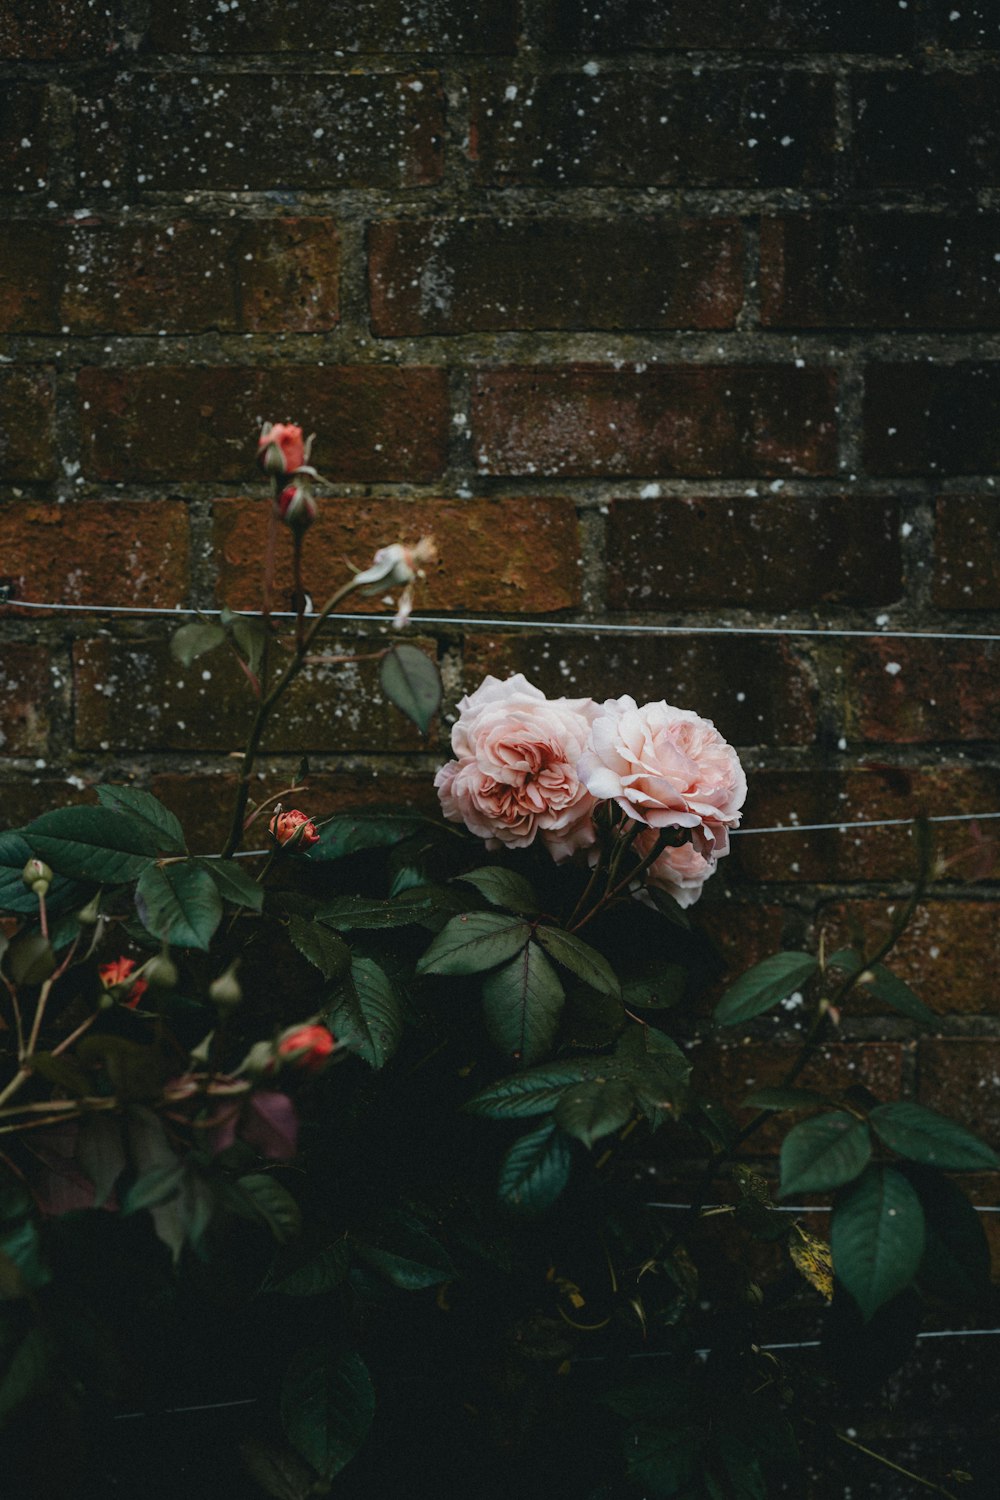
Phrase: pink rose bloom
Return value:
(680, 872)
(515, 773)
(667, 767)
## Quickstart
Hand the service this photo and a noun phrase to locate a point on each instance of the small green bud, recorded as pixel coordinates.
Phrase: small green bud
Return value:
(36, 872)
(40, 888)
(89, 915)
(226, 991)
(106, 1001)
(160, 971)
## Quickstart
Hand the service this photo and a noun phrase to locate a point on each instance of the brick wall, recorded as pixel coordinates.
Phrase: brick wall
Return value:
(654, 313)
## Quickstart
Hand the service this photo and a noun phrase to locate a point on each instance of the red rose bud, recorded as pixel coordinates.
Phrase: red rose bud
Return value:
(280, 448)
(116, 974)
(306, 1047)
(296, 505)
(293, 828)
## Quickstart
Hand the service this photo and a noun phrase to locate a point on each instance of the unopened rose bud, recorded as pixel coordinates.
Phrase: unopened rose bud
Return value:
(306, 1047)
(296, 504)
(36, 872)
(160, 972)
(280, 449)
(293, 829)
(226, 991)
(90, 915)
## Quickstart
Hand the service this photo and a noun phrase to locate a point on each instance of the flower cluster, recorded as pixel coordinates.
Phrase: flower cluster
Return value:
(530, 767)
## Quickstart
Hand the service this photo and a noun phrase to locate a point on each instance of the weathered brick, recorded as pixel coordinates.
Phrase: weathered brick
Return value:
(25, 691)
(756, 692)
(878, 792)
(970, 24)
(335, 25)
(752, 25)
(932, 419)
(702, 420)
(26, 798)
(374, 423)
(27, 433)
(742, 934)
(880, 270)
(25, 136)
(948, 953)
(518, 556)
(728, 1073)
(702, 127)
(96, 552)
(259, 131)
(31, 274)
(471, 274)
(678, 552)
(923, 130)
(960, 1076)
(40, 30)
(132, 696)
(967, 552)
(912, 692)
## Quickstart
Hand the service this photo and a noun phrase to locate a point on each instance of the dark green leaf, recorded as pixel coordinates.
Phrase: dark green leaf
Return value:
(784, 1099)
(29, 959)
(885, 986)
(764, 985)
(324, 949)
(522, 1003)
(503, 888)
(19, 1241)
(193, 640)
(92, 843)
(327, 1406)
(15, 895)
(142, 807)
(473, 942)
(357, 913)
(663, 1460)
(534, 1092)
(233, 883)
(657, 1070)
(582, 960)
(366, 1014)
(179, 904)
(272, 1203)
(846, 959)
(924, 1136)
(26, 1370)
(651, 983)
(250, 634)
(536, 1169)
(406, 1255)
(956, 1263)
(877, 1237)
(101, 1152)
(412, 682)
(64, 1071)
(668, 907)
(135, 1072)
(158, 1185)
(824, 1153)
(594, 1109)
(321, 1274)
(351, 832)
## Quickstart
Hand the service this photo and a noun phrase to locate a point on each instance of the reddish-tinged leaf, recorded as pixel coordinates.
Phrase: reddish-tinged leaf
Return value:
(271, 1125)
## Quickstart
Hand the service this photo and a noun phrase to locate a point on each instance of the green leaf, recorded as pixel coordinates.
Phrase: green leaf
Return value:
(92, 843)
(595, 1109)
(536, 1169)
(321, 1274)
(652, 983)
(475, 941)
(272, 1203)
(784, 1099)
(64, 1071)
(922, 1135)
(763, 986)
(412, 682)
(892, 991)
(179, 904)
(351, 832)
(533, 1092)
(823, 1153)
(327, 1406)
(29, 959)
(657, 1070)
(406, 1255)
(143, 808)
(250, 634)
(847, 959)
(877, 1238)
(193, 640)
(19, 1241)
(26, 1370)
(663, 1460)
(233, 883)
(582, 960)
(324, 949)
(522, 1003)
(101, 1152)
(956, 1263)
(366, 1014)
(154, 1187)
(503, 888)
(358, 913)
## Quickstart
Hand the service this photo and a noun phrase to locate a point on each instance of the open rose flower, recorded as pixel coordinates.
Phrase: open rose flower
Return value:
(280, 448)
(293, 827)
(681, 872)
(514, 777)
(116, 974)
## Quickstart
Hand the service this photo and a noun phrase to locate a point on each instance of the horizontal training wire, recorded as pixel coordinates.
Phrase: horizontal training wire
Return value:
(796, 1208)
(596, 628)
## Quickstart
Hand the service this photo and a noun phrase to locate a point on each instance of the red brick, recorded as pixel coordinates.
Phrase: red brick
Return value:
(96, 552)
(466, 275)
(337, 26)
(680, 553)
(132, 696)
(927, 129)
(518, 556)
(967, 552)
(699, 127)
(162, 132)
(25, 136)
(701, 420)
(932, 419)
(27, 431)
(705, 674)
(47, 29)
(728, 1073)
(23, 800)
(880, 270)
(948, 953)
(31, 273)
(825, 795)
(751, 25)
(912, 692)
(373, 422)
(743, 935)
(25, 691)
(960, 1076)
